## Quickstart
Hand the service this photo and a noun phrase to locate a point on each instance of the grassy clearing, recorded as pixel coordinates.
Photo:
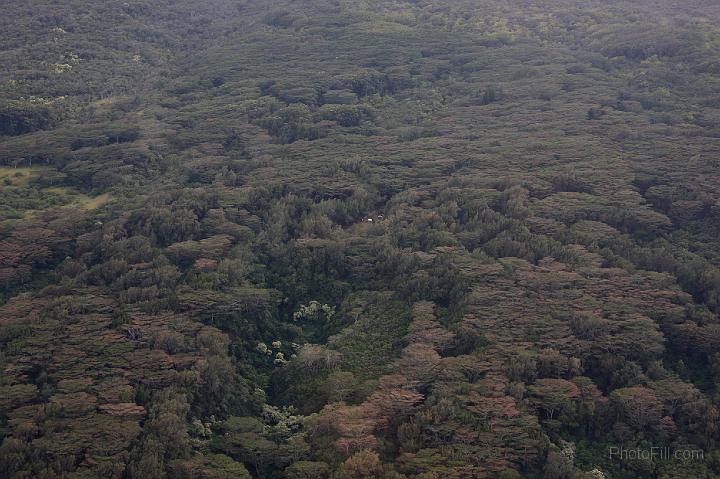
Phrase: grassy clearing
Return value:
(21, 198)
(75, 199)
(18, 176)
(91, 203)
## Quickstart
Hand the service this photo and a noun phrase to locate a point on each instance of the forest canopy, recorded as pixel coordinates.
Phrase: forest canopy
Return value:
(335, 239)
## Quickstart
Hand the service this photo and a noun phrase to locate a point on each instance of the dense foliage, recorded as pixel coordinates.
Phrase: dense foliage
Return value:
(350, 239)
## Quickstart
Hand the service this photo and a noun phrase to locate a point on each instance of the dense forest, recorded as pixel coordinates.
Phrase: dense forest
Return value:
(345, 239)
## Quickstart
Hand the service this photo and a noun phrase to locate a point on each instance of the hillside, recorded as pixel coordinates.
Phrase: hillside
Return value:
(334, 239)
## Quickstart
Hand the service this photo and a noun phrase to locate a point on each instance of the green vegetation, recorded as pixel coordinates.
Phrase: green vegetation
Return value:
(26, 191)
(337, 239)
